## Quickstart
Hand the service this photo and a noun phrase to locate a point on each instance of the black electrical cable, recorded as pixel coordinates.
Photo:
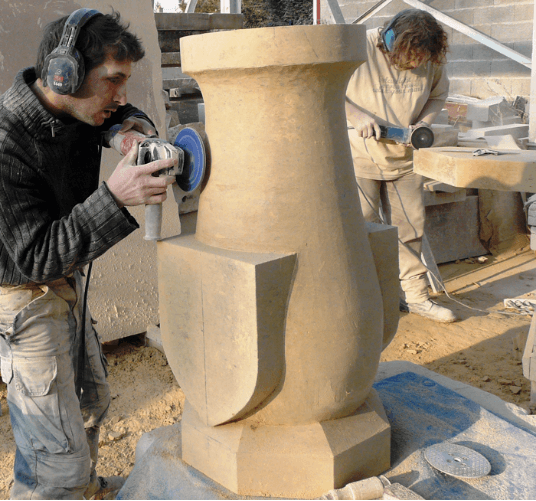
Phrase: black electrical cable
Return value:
(81, 366)
(82, 343)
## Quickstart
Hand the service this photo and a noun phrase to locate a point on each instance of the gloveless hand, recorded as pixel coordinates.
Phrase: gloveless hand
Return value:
(132, 184)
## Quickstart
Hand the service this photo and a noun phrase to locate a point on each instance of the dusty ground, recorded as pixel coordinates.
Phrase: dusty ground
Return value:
(479, 350)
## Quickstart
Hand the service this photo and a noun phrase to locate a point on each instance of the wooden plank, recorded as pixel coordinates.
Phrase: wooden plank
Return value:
(198, 21)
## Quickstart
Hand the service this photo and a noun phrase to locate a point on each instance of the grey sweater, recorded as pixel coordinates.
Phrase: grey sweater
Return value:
(54, 216)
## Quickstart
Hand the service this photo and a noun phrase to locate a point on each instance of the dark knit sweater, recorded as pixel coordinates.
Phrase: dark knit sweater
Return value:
(54, 216)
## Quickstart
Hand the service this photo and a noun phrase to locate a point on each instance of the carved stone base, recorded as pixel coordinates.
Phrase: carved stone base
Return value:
(303, 461)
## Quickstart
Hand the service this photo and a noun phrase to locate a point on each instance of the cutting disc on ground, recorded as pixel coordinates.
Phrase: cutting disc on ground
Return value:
(457, 460)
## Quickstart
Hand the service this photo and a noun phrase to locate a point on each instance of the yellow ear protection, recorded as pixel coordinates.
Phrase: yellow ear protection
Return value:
(389, 33)
(63, 70)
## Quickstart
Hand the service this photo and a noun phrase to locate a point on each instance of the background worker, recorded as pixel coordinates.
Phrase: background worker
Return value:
(403, 83)
(54, 220)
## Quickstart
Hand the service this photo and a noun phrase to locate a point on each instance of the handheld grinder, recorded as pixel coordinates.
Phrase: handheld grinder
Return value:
(418, 137)
(188, 149)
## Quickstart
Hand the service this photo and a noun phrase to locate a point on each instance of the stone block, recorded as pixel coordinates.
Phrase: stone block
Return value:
(452, 230)
(509, 171)
(198, 21)
(516, 130)
(532, 238)
(187, 108)
(300, 461)
(494, 109)
(222, 319)
(153, 338)
(444, 135)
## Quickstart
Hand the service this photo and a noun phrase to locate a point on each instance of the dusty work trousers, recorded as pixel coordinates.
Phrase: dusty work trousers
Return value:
(401, 201)
(56, 433)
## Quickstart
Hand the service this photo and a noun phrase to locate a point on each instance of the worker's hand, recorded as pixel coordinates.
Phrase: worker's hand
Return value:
(366, 126)
(138, 124)
(132, 184)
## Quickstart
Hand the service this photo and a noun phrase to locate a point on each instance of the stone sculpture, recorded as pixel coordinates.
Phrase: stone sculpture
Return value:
(272, 315)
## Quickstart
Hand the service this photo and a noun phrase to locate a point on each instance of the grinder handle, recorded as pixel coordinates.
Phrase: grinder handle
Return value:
(153, 222)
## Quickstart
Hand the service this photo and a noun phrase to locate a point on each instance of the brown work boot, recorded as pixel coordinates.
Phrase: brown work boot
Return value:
(104, 488)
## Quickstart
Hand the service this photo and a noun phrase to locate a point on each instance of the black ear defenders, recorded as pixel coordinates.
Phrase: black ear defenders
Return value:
(389, 33)
(63, 70)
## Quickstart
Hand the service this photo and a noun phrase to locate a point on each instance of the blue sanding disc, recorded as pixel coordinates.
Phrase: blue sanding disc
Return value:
(190, 141)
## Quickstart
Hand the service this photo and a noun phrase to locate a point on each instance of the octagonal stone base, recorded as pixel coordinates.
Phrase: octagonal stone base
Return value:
(302, 461)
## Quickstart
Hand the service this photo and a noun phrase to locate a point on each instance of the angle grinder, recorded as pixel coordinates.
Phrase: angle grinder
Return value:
(418, 137)
(188, 149)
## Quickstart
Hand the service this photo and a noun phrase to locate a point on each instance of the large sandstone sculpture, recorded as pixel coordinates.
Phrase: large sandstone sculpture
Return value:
(272, 314)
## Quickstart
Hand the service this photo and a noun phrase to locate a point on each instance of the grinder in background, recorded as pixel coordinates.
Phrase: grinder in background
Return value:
(418, 137)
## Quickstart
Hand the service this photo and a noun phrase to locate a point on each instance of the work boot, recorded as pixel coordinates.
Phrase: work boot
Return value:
(104, 488)
(430, 309)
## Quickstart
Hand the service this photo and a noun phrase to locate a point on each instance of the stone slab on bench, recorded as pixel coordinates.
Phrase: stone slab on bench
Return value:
(509, 171)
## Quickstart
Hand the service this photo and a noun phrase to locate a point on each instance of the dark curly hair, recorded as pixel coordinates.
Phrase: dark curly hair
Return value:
(419, 37)
(101, 35)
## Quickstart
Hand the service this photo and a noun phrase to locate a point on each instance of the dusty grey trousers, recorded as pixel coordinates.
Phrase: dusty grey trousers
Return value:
(56, 434)
(402, 203)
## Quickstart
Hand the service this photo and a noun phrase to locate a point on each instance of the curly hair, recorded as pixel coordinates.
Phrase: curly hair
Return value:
(101, 35)
(419, 38)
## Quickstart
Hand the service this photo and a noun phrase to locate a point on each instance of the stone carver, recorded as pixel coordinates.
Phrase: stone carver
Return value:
(403, 84)
(54, 220)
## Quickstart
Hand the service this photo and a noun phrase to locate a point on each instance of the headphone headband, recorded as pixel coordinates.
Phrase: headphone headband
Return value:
(74, 24)
(63, 70)
(389, 33)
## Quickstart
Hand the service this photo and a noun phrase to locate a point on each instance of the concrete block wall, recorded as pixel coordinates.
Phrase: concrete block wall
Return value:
(474, 69)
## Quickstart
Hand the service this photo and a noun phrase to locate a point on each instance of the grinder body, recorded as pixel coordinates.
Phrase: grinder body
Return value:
(189, 151)
(149, 150)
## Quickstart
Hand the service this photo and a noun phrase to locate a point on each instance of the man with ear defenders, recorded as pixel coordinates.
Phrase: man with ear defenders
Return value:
(55, 219)
(403, 83)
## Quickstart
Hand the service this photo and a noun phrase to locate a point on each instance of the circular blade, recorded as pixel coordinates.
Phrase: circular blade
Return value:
(457, 460)
(423, 137)
(190, 141)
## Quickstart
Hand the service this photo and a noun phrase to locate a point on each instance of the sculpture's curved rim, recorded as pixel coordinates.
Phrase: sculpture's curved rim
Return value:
(273, 46)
